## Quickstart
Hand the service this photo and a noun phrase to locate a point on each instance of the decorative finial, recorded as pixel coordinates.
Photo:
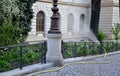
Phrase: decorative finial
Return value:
(54, 29)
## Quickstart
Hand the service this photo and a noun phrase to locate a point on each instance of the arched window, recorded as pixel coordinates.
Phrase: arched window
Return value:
(82, 17)
(40, 21)
(70, 23)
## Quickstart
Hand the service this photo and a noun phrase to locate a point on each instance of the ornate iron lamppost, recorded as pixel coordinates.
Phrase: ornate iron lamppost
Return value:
(54, 39)
(55, 19)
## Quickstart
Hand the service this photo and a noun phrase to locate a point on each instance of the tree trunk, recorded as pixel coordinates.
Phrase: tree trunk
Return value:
(95, 14)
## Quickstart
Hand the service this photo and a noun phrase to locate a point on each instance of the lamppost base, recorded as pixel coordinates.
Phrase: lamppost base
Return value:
(54, 49)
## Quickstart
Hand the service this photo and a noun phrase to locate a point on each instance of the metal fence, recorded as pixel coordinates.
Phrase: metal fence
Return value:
(17, 56)
(77, 49)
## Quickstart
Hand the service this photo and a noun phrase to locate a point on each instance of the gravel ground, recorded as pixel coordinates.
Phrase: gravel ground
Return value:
(110, 69)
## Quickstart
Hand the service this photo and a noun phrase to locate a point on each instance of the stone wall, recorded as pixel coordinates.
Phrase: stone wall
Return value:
(64, 11)
(106, 20)
(109, 16)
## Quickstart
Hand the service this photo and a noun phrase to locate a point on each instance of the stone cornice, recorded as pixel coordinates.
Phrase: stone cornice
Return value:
(104, 3)
(67, 3)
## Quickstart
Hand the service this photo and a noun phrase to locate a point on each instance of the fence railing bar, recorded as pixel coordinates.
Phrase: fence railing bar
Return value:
(75, 49)
(21, 57)
(19, 54)
(11, 46)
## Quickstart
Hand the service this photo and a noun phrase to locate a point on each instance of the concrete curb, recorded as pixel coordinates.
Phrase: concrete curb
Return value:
(77, 59)
(27, 69)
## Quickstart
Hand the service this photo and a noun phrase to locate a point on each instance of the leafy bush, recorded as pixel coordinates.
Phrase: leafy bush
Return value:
(87, 48)
(4, 66)
(116, 31)
(68, 46)
(8, 33)
(9, 56)
(17, 15)
(79, 49)
(101, 35)
(30, 55)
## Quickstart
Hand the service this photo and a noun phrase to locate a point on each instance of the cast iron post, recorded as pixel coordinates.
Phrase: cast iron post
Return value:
(54, 29)
(54, 39)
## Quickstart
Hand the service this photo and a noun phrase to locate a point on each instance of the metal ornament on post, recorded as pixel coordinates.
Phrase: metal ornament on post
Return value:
(54, 39)
(55, 19)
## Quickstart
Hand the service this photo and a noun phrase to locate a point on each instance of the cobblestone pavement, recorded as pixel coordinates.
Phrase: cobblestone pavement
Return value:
(110, 69)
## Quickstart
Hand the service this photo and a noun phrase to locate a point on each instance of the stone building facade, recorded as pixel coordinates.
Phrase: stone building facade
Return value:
(74, 18)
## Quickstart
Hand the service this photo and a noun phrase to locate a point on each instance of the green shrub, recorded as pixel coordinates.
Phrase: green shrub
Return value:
(4, 66)
(68, 49)
(30, 56)
(11, 56)
(87, 48)
(116, 31)
(20, 13)
(101, 35)
(9, 33)
(80, 49)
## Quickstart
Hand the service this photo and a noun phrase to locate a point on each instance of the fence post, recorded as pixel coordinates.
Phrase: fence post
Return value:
(43, 57)
(116, 49)
(101, 47)
(93, 48)
(84, 52)
(107, 44)
(62, 48)
(113, 46)
(74, 51)
(21, 57)
(44, 51)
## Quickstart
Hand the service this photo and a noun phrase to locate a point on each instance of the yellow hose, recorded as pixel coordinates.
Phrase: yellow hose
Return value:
(107, 61)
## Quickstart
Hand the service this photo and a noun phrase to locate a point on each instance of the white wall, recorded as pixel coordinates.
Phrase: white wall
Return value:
(64, 11)
(115, 17)
(77, 1)
(46, 8)
(109, 15)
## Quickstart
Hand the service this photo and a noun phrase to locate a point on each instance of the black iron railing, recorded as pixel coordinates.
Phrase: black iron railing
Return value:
(77, 49)
(18, 56)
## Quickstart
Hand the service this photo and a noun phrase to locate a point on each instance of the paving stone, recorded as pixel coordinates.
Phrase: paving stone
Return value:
(110, 69)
